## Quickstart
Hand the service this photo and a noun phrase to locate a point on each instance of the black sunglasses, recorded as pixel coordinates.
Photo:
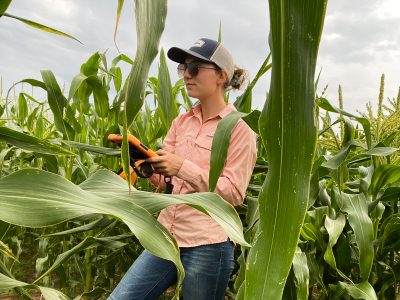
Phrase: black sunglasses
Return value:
(192, 68)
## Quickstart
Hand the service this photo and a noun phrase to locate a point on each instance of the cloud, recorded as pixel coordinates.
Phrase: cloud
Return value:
(359, 43)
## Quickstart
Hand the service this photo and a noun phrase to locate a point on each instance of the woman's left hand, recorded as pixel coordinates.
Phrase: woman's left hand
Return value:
(166, 163)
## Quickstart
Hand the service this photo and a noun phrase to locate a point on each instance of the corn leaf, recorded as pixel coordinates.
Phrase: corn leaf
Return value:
(40, 204)
(121, 57)
(335, 162)
(361, 290)
(389, 240)
(324, 103)
(56, 99)
(334, 228)
(52, 294)
(102, 184)
(150, 21)
(220, 145)
(93, 148)
(119, 9)
(252, 119)
(356, 207)
(31, 143)
(301, 273)
(100, 96)
(390, 194)
(40, 26)
(243, 102)
(8, 283)
(165, 97)
(75, 84)
(384, 175)
(100, 223)
(288, 130)
(88, 241)
(6, 251)
(3, 6)
(381, 151)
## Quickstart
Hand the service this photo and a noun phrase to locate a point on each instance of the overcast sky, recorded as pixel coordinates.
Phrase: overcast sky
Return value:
(360, 41)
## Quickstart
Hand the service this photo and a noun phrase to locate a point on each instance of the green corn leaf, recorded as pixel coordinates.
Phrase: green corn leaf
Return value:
(22, 109)
(389, 236)
(3, 6)
(75, 84)
(40, 204)
(100, 223)
(220, 145)
(301, 273)
(41, 27)
(165, 97)
(31, 143)
(356, 207)
(335, 162)
(6, 251)
(324, 104)
(117, 77)
(252, 214)
(121, 57)
(95, 149)
(57, 101)
(243, 102)
(252, 120)
(91, 66)
(288, 130)
(383, 176)
(119, 9)
(334, 228)
(100, 96)
(102, 183)
(309, 232)
(150, 22)
(8, 283)
(87, 242)
(34, 82)
(52, 294)
(381, 151)
(316, 270)
(390, 194)
(362, 290)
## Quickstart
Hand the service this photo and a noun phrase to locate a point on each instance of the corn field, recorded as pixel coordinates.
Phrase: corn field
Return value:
(321, 215)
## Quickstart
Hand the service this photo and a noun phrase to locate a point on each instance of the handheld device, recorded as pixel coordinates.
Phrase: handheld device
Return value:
(136, 147)
(138, 152)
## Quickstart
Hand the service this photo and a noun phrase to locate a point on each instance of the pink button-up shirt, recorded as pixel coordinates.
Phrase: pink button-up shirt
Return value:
(190, 137)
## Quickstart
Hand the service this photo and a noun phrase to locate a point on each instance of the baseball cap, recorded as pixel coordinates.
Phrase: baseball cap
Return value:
(207, 50)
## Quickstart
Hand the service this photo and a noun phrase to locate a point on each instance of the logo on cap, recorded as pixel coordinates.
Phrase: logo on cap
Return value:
(199, 43)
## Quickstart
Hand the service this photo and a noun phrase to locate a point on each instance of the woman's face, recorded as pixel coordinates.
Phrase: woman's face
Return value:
(206, 83)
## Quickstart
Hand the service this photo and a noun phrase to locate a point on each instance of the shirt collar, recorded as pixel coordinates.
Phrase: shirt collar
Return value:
(196, 110)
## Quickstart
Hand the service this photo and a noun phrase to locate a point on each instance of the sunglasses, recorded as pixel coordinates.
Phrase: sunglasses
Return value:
(192, 68)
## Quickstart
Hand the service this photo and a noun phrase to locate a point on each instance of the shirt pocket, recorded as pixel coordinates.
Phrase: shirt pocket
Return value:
(205, 141)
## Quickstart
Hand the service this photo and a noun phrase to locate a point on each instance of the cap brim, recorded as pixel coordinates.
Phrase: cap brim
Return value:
(179, 55)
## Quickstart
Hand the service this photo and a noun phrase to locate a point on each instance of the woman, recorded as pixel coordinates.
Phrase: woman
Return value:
(206, 252)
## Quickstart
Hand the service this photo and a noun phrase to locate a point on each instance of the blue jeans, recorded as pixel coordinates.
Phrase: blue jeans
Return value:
(207, 271)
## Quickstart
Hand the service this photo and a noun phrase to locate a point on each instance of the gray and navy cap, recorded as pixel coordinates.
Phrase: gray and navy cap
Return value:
(207, 50)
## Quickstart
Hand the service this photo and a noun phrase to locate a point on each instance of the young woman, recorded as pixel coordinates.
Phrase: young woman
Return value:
(206, 252)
